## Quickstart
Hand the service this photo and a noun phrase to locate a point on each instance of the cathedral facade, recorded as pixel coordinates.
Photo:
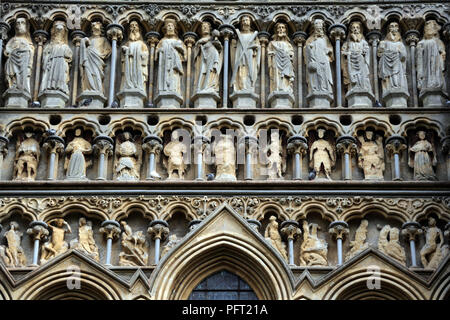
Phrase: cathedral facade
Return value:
(170, 150)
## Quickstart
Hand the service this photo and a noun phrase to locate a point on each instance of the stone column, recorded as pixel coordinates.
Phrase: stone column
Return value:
(410, 230)
(255, 224)
(263, 40)
(347, 146)
(40, 37)
(38, 230)
(395, 145)
(54, 146)
(227, 32)
(250, 145)
(445, 142)
(374, 39)
(4, 28)
(446, 33)
(152, 40)
(299, 40)
(290, 230)
(412, 38)
(337, 33)
(152, 144)
(111, 230)
(297, 146)
(77, 35)
(159, 230)
(338, 230)
(103, 147)
(3, 151)
(115, 34)
(199, 144)
(189, 41)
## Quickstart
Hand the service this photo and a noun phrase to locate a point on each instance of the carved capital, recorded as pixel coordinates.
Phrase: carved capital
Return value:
(54, 144)
(395, 144)
(103, 145)
(152, 144)
(338, 229)
(337, 31)
(290, 229)
(4, 29)
(158, 229)
(263, 37)
(77, 35)
(255, 224)
(152, 38)
(190, 38)
(445, 142)
(114, 32)
(300, 38)
(412, 37)
(4, 146)
(40, 37)
(346, 144)
(110, 229)
(226, 31)
(297, 144)
(38, 230)
(374, 37)
(411, 229)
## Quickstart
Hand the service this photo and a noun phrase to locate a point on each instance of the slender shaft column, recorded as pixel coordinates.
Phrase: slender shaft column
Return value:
(395, 145)
(297, 145)
(263, 40)
(299, 40)
(38, 230)
(40, 37)
(103, 147)
(250, 144)
(338, 230)
(152, 39)
(159, 230)
(77, 35)
(54, 146)
(111, 230)
(153, 146)
(445, 143)
(410, 230)
(347, 146)
(4, 28)
(199, 144)
(189, 40)
(337, 33)
(374, 38)
(227, 31)
(115, 34)
(412, 38)
(290, 230)
(3, 152)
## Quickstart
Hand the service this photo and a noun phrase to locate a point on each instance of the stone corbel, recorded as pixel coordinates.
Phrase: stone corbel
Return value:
(395, 145)
(337, 33)
(297, 146)
(38, 230)
(115, 34)
(103, 148)
(290, 230)
(54, 145)
(338, 230)
(111, 231)
(159, 230)
(152, 144)
(347, 146)
(410, 230)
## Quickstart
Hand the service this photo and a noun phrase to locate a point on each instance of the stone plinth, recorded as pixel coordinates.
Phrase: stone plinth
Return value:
(360, 99)
(53, 99)
(131, 98)
(319, 100)
(432, 98)
(16, 99)
(205, 100)
(395, 99)
(244, 99)
(279, 99)
(169, 100)
(98, 100)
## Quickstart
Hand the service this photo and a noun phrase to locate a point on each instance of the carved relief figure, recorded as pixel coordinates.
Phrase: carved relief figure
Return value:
(225, 159)
(175, 151)
(318, 56)
(85, 242)
(392, 65)
(273, 236)
(391, 246)
(27, 158)
(431, 63)
(313, 251)
(56, 245)
(359, 244)
(433, 252)
(128, 158)
(19, 52)
(13, 254)
(322, 154)
(276, 165)
(76, 163)
(173, 240)
(134, 248)
(93, 52)
(371, 156)
(424, 158)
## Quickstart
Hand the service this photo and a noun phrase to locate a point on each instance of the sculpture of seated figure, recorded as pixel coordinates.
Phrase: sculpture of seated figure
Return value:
(391, 246)
(313, 251)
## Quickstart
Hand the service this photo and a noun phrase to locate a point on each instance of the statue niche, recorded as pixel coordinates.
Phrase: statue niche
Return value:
(359, 244)
(276, 156)
(225, 158)
(27, 158)
(422, 157)
(322, 156)
(371, 155)
(56, 245)
(273, 236)
(13, 254)
(85, 242)
(433, 251)
(75, 163)
(134, 248)
(175, 163)
(127, 158)
(389, 243)
(313, 251)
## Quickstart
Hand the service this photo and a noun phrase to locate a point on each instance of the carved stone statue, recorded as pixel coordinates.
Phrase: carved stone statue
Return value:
(175, 151)
(85, 242)
(424, 158)
(276, 165)
(208, 55)
(27, 158)
(431, 66)
(389, 243)
(18, 67)
(313, 251)
(128, 159)
(318, 56)
(54, 89)
(359, 244)
(170, 54)
(225, 159)
(134, 69)
(392, 68)
(273, 236)
(433, 252)
(56, 245)
(322, 154)
(245, 54)
(93, 52)
(280, 54)
(13, 254)
(134, 249)
(355, 66)
(371, 156)
(76, 163)
(173, 240)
